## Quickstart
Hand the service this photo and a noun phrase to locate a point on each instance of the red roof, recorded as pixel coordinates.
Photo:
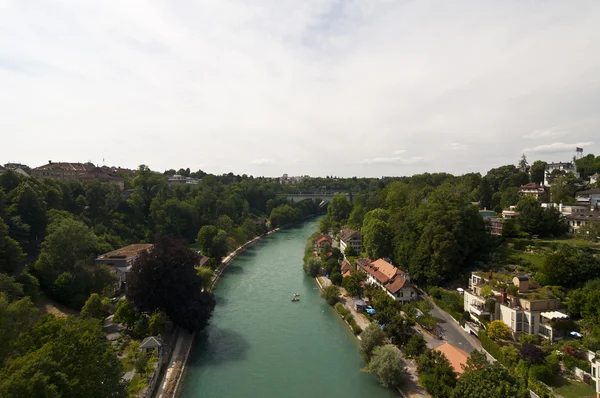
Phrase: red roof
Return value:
(324, 239)
(346, 267)
(391, 277)
(455, 355)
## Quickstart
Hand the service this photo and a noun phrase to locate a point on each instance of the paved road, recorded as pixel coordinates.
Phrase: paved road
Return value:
(452, 331)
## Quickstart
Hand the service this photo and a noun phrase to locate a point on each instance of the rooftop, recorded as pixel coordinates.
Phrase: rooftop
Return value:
(391, 277)
(346, 234)
(66, 166)
(455, 355)
(595, 191)
(126, 252)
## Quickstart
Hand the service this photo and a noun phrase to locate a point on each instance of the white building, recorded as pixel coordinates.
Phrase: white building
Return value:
(394, 281)
(595, 361)
(177, 179)
(352, 238)
(556, 169)
(591, 197)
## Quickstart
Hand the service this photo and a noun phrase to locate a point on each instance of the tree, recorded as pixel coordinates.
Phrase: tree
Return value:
(352, 283)
(435, 374)
(532, 354)
(160, 323)
(312, 266)
(492, 380)
(498, 330)
(284, 214)
(94, 307)
(377, 238)
(339, 209)
(212, 241)
(538, 168)
(206, 275)
(166, 280)
(68, 357)
(385, 364)
(331, 294)
(370, 338)
(415, 346)
(15, 318)
(126, 313)
(563, 189)
(511, 355)
(10, 250)
(523, 165)
(11, 289)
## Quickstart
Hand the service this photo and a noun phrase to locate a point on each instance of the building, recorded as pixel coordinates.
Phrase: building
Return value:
(151, 343)
(395, 282)
(455, 355)
(534, 190)
(203, 261)
(324, 241)
(179, 180)
(62, 170)
(98, 174)
(17, 168)
(582, 218)
(352, 238)
(493, 223)
(2, 169)
(591, 197)
(595, 362)
(594, 178)
(526, 308)
(510, 213)
(121, 260)
(554, 170)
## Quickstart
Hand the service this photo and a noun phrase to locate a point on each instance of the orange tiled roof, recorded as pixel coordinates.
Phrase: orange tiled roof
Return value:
(455, 355)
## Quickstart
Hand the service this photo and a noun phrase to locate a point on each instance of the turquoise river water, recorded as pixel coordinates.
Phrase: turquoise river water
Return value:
(260, 344)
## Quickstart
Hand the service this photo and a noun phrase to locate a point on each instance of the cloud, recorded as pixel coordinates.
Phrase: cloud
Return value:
(394, 160)
(455, 146)
(263, 162)
(558, 147)
(399, 152)
(548, 133)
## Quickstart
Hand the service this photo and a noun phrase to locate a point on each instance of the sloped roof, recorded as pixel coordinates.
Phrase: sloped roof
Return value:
(151, 342)
(397, 283)
(66, 166)
(594, 191)
(532, 185)
(127, 251)
(203, 261)
(346, 274)
(346, 234)
(346, 267)
(324, 238)
(455, 355)
(98, 173)
(363, 262)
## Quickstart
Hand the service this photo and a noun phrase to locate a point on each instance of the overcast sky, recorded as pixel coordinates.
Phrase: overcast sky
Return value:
(316, 87)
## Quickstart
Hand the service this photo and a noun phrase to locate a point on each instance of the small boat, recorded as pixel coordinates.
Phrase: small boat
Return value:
(295, 299)
(296, 295)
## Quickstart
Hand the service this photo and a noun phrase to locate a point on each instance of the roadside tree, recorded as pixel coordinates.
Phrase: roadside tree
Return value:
(385, 363)
(371, 337)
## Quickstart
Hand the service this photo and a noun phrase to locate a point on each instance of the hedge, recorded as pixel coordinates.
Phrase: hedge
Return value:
(539, 389)
(491, 347)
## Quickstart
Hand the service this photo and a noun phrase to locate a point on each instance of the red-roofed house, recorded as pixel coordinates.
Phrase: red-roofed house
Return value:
(537, 191)
(394, 281)
(323, 241)
(455, 355)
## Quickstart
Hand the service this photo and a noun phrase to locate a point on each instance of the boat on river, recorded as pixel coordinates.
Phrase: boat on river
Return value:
(294, 299)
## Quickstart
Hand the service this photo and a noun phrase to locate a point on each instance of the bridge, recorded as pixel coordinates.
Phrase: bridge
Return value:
(325, 196)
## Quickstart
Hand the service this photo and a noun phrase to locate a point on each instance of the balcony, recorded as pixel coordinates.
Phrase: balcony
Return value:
(478, 309)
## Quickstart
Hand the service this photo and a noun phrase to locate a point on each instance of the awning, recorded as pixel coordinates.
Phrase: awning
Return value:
(554, 315)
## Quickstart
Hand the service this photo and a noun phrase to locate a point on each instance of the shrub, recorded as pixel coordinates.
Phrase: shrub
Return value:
(572, 362)
(330, 294)
(491, 346)
(355, 328)
(415, 346)
(498, 330)
(435, 292)
(529, 339)
(532, 354)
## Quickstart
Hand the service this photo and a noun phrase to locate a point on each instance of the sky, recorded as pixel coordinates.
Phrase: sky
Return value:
(306, 87)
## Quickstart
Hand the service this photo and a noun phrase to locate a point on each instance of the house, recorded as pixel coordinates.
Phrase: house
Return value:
(534, 190)
(62, 170)
(531, 309)
(554, 170)
(345, 266)
(594, 178)
(455, 355)
(352, 238)
(151, 343)
(203, 261)
(121, 260)
(510, 213)
(395, 282)
(582, 218)
(16, 168)
(360, 305)
(178, 180)
(97, 174)
(324, 241)
(591, 197)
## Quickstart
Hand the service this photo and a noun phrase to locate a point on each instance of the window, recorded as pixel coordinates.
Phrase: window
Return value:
(401, 294)
(412, 294)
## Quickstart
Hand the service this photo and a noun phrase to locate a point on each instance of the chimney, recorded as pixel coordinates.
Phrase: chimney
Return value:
(49, 162)
(504, 296)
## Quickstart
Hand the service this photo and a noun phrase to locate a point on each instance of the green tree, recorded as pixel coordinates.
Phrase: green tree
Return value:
(284, 214)
(11, 289)
(160, 323)
(339, 209)
(538, 168)
(331, 294)
(352, 283)
(10, 250)
(15, 318)
(385, 364)
(435, 374)
(64, 357)
(212, 241)
(373, 336)
(493, 381)
(312, 266)
(377, 238)
(94, 307)
(398, 330)
(563, 189)
(126, 313)
(206, 275)
(498, 330)
(415, 346)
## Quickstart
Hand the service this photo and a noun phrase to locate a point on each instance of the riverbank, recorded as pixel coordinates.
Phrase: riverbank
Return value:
(170, 386)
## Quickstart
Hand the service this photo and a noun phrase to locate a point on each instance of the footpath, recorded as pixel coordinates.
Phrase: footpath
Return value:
(171, 383)
(411, 387)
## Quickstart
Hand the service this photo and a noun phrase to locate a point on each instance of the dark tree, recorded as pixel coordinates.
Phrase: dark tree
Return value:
(165, 280)
(532, 354)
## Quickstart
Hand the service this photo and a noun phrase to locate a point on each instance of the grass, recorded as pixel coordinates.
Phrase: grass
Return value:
(195, 246)
(49, 306)
(572, 389)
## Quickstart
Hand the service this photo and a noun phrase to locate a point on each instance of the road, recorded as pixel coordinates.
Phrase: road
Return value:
(452, 332)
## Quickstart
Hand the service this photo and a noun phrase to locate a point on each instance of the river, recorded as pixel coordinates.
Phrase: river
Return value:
(260, 344)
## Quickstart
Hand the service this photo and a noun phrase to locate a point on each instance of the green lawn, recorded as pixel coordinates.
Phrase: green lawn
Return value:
(573, 389)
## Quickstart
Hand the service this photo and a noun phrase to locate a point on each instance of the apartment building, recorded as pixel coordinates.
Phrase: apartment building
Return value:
(352, 238)
(392, 280)
(519, 302)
